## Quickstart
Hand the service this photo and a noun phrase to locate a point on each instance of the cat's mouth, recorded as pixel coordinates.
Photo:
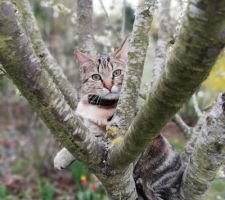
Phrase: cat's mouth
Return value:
(98, 100)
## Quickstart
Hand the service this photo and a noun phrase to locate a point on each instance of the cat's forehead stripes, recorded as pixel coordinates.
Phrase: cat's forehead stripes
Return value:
(104, 64)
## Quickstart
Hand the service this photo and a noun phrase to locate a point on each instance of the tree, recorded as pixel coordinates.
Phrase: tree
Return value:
(179, 70)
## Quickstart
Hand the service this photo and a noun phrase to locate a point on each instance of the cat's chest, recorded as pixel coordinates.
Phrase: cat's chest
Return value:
(94, 117)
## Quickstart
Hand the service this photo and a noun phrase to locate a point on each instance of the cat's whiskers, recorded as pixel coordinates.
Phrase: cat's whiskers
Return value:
(93, 99)
(98, 100)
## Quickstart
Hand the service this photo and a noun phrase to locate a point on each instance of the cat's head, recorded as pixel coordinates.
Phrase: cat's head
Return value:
(102, 78)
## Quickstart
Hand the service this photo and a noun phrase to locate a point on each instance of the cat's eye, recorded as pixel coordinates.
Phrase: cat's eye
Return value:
(117, 72)
(96, 77)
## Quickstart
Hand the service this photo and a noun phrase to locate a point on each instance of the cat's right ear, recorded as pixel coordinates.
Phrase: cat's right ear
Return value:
(122, 51)
(82, 57)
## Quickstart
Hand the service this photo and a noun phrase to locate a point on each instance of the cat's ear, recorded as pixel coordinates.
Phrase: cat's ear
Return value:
(122, 51)
(82, 57)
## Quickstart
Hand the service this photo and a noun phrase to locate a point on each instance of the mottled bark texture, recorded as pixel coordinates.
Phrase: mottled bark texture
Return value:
(47, 61)
(126, 108)
(40, 80)
(196, 49)
(85, 26)
(208, 153)
(164, 33)
(35, 83)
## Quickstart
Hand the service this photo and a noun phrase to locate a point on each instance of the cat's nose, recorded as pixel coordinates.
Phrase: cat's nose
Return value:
(108, 87)
(108, 84)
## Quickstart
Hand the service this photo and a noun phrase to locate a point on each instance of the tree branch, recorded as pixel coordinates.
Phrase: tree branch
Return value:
(195, 51)
(126, 107)
(196, 106)
(163, 39)
(39, 88)
(85, 26)
(109, 23)
(47, 61)
(182, 125)
(208, 154)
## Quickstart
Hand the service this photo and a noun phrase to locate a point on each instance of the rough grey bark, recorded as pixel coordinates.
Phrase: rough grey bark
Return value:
(195, 51)
(36, 84)
(48, 62)
(46, 98)
(200, 41)
(164, 33)
(208, 153)
(85, 26)
(126, 108)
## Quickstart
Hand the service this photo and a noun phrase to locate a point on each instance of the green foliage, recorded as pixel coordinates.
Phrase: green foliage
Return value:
(89, 186)
(19, 167)
(3, 191)
(89, 195)
(46, 190)
(216, 191)
(216, 81)
(78, 170)
(177, 145)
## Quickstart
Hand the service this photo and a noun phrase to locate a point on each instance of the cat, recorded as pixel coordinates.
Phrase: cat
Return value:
(102, 80)
(158, 171)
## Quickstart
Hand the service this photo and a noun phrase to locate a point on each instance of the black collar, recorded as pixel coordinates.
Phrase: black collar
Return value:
(97, 100)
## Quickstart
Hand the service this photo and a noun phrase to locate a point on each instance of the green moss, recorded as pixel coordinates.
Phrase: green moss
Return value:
(4, 41)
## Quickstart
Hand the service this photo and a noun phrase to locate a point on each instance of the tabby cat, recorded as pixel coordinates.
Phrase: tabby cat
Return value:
(159, 168)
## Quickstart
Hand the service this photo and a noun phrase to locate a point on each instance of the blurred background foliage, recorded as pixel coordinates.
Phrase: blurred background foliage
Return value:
(26, 146)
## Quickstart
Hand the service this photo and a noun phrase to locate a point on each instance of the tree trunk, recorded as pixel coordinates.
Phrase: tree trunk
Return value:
(41, 81)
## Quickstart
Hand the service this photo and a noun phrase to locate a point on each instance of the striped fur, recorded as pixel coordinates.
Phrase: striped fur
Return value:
(158, 170)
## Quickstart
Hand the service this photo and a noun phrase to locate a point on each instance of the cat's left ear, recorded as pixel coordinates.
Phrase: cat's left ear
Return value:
(82, 57)
(122, 51)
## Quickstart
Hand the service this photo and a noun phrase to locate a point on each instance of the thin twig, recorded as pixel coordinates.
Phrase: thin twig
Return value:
(182, 125)
(163, 38)
(196, 105)
(115, 32)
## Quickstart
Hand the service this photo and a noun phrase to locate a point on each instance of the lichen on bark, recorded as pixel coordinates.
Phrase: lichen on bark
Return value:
(188, 64)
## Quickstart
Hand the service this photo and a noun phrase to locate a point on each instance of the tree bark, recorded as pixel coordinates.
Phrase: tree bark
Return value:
(208, 153)
(126, 108)
(196, 48)
(85, 26)
(36, 84)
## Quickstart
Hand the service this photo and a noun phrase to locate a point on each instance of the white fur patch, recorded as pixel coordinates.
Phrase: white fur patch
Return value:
(62, 159)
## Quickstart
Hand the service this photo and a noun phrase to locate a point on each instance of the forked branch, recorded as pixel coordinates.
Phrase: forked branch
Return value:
(48, 62)
(39, 88)
(196, 106)
(208, 153)
(126, 108)
(182, 125)
(195, 51)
